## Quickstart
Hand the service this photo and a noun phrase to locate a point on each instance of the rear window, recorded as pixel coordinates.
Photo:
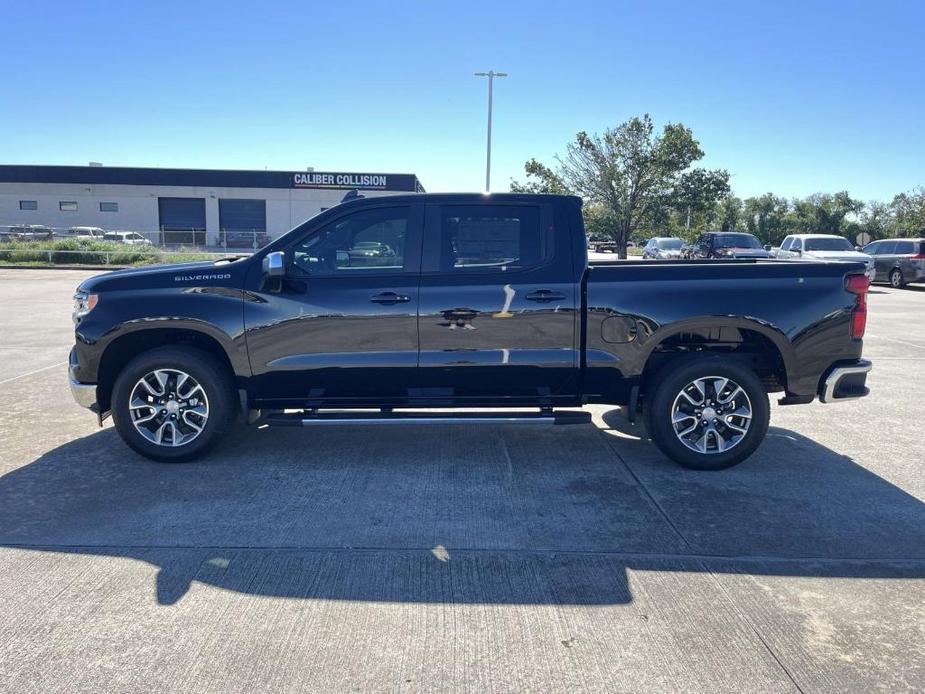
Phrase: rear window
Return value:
(736, 241)
(825, 244)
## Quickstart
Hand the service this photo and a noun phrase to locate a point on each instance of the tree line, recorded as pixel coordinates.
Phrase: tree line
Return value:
(638, 182)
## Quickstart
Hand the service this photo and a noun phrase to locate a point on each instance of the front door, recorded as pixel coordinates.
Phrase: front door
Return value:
(341, 326)
(498, 308)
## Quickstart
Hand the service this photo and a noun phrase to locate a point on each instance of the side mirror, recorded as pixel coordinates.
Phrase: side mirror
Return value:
(858, 249)
(767, 247)
(274, 264)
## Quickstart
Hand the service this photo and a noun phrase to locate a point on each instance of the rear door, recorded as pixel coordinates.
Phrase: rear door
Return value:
(498, 306)
(905, 250)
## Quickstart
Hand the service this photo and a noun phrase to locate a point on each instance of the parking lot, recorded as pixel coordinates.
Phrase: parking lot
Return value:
(449, 558)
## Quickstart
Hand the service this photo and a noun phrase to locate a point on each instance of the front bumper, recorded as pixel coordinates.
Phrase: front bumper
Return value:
(845, 382)
(84, 394)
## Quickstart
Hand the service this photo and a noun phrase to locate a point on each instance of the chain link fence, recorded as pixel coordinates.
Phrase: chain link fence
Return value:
(34, 244)
(186, 240)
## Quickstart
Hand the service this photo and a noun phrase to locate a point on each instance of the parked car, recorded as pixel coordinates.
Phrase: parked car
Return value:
(85, 233)
(663, 247)
(823, 247)
(244, 239)
(291, 336)
(132, 238)
(726, 244)
(898, 261)
(29, 232)
(603, 247)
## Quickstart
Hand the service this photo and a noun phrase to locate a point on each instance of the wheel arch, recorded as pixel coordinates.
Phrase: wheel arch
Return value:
(765, 346)
(130, 344)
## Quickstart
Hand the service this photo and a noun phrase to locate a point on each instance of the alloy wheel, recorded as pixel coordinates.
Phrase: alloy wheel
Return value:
(169, 407)
(711, 414)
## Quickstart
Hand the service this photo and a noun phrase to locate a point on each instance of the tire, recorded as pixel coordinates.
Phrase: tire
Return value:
(669, 401)
(897, 281)
(208, 388)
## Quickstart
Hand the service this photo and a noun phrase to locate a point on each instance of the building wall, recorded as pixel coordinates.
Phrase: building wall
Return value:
(138, 207)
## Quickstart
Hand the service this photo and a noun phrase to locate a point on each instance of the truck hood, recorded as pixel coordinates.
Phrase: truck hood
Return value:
(839, 255)
(200, 273)
(746, 253)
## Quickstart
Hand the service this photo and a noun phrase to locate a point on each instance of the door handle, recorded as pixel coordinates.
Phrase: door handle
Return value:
(544, 296)
(389, 298)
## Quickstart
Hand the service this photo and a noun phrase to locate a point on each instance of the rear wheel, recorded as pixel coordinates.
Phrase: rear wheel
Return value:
(897, 281)
(708, 413)
(172, 404)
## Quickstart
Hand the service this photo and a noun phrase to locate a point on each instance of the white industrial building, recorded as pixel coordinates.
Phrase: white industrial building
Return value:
(180, 205)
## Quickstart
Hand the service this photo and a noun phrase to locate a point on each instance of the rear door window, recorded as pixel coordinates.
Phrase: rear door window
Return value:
(491, 238)
(905, 248)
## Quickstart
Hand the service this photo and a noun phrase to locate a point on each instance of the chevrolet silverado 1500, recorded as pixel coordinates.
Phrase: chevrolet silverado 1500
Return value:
(393, 310)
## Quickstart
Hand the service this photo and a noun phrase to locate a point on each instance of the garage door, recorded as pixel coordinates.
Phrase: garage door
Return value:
(182, 220)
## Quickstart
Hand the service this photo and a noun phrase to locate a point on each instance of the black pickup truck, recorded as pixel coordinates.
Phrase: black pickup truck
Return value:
(393, 310)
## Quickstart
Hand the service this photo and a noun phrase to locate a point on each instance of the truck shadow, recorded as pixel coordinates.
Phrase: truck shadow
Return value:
(563, 515)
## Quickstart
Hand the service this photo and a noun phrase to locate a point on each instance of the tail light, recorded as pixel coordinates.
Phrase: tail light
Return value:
(920, 256)
(857, 285)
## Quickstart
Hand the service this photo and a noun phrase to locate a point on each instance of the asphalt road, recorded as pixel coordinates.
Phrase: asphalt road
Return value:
(447, 558)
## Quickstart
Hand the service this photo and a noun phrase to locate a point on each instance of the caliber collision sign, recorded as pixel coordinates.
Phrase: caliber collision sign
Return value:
(340, 180)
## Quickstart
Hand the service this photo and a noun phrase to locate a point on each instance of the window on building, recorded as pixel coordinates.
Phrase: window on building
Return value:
(109, 207)
(67, 205)
(489, 238)
(182, 220)
(28, 205)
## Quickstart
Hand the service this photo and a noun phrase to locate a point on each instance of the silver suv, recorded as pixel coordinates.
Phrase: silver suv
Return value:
(898, 261)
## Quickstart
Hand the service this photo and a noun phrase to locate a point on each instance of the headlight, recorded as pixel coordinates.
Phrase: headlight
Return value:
(83, 304)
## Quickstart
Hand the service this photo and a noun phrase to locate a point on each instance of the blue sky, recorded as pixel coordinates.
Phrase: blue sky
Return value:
(790, 97)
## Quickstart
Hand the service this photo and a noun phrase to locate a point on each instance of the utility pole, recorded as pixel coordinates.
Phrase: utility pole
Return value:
(491, 74)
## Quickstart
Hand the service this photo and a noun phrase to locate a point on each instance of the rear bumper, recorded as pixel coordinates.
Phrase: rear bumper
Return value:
(845, 382)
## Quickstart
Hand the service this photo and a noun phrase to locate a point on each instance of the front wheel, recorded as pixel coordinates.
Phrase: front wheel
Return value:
(896, 279)
(708, 413)
(172, 404)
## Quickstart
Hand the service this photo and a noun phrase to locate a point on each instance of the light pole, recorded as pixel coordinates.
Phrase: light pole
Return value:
(491, 74)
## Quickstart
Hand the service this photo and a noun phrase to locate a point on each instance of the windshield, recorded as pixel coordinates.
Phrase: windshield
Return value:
(669, 244)
(736, 241)
(828, 244)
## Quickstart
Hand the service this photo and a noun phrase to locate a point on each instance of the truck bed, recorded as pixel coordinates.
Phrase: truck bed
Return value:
(802, 310)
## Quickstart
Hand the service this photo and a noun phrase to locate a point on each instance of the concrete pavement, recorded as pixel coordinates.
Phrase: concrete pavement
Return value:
(452, 558)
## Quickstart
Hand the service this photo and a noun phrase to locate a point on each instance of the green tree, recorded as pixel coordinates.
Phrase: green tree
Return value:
(876, 220)
(696, 195)
(908, 212)
(540, 179)
(631, 171)
(599, 222)
(766, 217)
(730, 212)
(824, 213)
